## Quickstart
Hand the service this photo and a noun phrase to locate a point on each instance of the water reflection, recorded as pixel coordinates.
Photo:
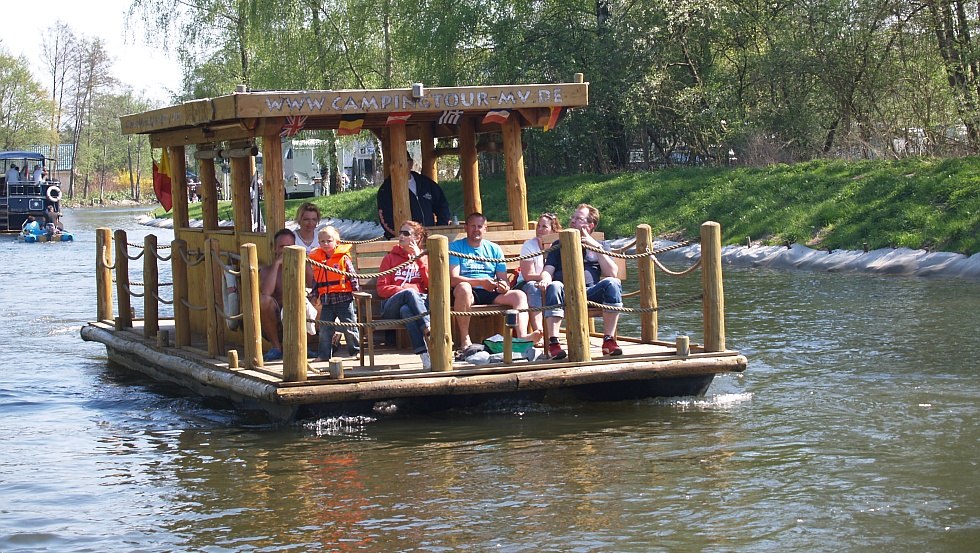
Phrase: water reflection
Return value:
(853, 428)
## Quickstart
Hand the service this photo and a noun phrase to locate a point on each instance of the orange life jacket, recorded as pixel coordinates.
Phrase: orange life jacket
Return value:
(329, 282)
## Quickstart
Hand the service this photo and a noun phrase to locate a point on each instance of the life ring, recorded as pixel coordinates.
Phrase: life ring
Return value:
(229, 289)
(54, 194)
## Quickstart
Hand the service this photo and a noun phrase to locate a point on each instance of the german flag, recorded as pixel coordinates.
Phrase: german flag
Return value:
(350, 125)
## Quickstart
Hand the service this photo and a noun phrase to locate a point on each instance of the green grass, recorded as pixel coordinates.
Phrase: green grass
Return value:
(917, 203)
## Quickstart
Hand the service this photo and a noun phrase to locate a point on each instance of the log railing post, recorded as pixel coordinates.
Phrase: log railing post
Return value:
(251, 318)
(212, 269)
(711, 283)
(122, 280)
(151, 287)
(648, 285)
(576, 306)
(441, 345)
(182, 314)
(103, 274)
(294, 314)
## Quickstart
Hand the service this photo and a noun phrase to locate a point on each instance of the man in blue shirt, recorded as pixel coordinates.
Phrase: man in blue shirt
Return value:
(482, 282)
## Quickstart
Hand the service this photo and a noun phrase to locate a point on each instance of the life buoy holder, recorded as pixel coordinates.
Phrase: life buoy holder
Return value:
(229, 289)
(54, 194)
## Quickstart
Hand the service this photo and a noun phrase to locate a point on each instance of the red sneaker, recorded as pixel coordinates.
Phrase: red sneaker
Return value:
(555, 351)
(610, 347)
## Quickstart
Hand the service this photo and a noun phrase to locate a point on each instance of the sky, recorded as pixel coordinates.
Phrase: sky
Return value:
(146, 69)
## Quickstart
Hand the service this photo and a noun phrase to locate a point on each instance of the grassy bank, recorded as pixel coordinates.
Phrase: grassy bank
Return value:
(917, 203)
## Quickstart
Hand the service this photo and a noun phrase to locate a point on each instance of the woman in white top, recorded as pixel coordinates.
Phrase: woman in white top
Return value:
(308, 219)
(531, 269)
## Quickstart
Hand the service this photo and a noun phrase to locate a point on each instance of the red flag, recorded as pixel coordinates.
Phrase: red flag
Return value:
(398, 118)
(496, 116)
(161, 181)
(556, 113)
(294, 124)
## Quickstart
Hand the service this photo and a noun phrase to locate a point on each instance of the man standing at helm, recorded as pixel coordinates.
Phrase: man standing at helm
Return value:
(425, 198)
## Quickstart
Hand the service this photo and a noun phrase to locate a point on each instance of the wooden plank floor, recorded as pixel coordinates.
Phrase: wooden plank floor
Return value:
(398, 363)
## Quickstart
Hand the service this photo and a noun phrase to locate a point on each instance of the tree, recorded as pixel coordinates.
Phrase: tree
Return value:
(24, 108)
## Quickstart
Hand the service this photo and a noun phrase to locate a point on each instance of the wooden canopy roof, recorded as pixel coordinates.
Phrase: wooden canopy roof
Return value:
(242, 115)
(238, 119)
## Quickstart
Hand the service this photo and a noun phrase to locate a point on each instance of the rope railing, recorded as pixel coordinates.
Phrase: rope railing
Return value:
(131, 293)
(377, 323)
(198, 257)
(505, 259)
(108, 266)
(193, 307)
(662, 307)
(366, 276)
(163, 257)
(368, 241)
(161, 300)
(135, 245)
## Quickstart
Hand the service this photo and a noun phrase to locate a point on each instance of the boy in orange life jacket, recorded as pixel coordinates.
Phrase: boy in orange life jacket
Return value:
(336, 291)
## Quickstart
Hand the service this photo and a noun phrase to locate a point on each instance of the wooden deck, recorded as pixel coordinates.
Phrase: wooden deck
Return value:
(644, 370)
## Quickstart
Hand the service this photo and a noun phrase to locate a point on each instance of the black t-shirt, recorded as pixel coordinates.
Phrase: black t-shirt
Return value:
(590, 261)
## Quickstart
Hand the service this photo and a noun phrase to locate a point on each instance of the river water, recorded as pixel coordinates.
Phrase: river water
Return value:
(854, 428)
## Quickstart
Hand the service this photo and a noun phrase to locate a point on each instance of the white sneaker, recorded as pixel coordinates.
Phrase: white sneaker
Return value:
(426, 361)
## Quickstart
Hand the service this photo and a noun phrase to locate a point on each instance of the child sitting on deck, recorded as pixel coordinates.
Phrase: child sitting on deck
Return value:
(336, 291)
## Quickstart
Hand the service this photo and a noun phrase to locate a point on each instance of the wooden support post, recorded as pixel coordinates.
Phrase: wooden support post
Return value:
(182, 314)
(514, 171)
(401, 210)
(649, 321)
(441, 345)
(178, 184)
(233, 359)
(429, 166)
(294, 314)
(336, 367)
(576, 308)
(469, 167)
(711, 283)
(683, 346)
(273, 187)
(211, 266)
(208, 191)
(103, 274)
(241, 186)
(249, 301)
(122, 279)
(163, 339)
(151, 287)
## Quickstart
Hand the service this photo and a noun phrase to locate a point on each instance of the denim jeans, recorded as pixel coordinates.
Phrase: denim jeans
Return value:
(344, 312)
(404, 305)
(533, 293)
(608, 291)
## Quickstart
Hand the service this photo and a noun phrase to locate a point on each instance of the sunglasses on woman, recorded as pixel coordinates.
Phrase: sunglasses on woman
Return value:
(405, 232)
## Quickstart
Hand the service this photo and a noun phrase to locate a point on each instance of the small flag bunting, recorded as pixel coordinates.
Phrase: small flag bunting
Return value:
(294, 124)
(350, 125)
(497, 116)
(556, 114)
(398, 118)
(161, 181)
(450, 117)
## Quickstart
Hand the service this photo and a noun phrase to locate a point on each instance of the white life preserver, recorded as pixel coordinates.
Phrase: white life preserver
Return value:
(54, 194)
(229, 290)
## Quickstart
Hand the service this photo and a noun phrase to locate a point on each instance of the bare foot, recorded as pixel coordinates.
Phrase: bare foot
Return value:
(534, 337)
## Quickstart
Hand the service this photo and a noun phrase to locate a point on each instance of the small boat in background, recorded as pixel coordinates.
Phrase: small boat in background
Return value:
(33, 238)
